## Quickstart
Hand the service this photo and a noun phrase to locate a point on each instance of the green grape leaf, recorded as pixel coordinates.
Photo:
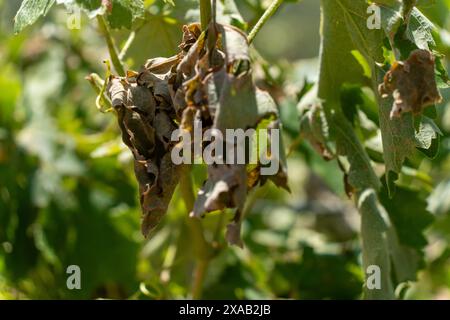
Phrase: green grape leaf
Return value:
(124, 12)
(29, 12)
(391, 17)
(345, 285)
(409, 214)
(374, 227)
(386, 242)
(342, 28)
(120, 13)
(398, 136)
(344, 32)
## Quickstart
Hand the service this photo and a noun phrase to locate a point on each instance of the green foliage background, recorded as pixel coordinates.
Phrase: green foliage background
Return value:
(68, 193)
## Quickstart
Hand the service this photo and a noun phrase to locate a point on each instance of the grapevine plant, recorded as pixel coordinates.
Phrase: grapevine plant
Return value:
(371, 111)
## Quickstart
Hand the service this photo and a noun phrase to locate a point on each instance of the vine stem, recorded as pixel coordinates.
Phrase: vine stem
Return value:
(202, 249)
(127, 45)
(199, 278)
(205, 13)
(264, 18)
(113, 52)
(98, 84)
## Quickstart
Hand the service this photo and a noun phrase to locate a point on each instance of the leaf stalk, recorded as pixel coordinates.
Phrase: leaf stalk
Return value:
(113, 52)
(264, 18)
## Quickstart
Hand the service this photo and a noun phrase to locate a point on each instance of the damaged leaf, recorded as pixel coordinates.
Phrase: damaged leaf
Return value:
(145, 116)
(412, 84)
(219, 93)
(207, 85)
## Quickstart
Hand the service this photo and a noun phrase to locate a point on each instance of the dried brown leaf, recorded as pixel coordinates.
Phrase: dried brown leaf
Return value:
(412, 84)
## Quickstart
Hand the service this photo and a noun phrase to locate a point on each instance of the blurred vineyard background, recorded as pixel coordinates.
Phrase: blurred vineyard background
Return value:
(68, 193)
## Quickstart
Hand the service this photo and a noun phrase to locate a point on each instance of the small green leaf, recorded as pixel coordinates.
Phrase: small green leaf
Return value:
(363, 62)
(124, 12)
(428, 137)
(344, 30)
(387, 241)
(420, 30)
(121, 15)
(409, 214)
(30, 11)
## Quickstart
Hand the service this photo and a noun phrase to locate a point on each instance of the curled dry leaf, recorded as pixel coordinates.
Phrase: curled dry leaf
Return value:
(217, 82)
(146, 119)
(313, 123)
(226, 187)
(314, 128)
(209, 83)
(412, 84)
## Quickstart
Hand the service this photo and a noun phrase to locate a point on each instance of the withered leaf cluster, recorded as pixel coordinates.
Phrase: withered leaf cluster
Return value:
(208, 82)
(412, 84)
(146, 118)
